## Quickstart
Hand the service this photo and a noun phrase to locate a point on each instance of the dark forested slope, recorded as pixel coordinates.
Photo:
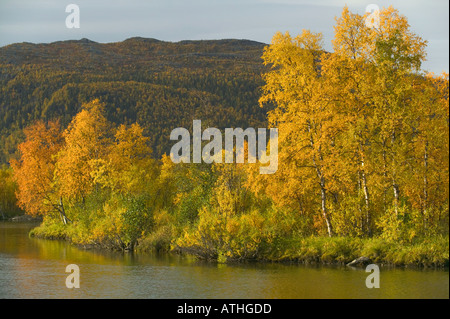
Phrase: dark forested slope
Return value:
(161, 85)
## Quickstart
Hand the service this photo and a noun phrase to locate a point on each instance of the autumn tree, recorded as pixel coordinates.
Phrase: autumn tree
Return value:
(130, 163)
(348, 75)
(426, 174)
(397, 56)
(305, 121)
(34, 171)
(87, 143)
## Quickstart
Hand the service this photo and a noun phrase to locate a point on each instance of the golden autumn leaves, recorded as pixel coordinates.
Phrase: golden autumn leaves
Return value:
(90, 154)
(357, 126)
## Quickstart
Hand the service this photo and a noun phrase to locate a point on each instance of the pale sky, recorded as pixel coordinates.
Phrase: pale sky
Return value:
(43, 21)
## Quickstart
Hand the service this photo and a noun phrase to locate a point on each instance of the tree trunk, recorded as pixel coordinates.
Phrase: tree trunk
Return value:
(425, 187)
(368, 217)
(394, 181)
(62, 212)
(323, 193)
(367, 202)
(324, 206)
(384, 176)
(396, 196)
(359, 204)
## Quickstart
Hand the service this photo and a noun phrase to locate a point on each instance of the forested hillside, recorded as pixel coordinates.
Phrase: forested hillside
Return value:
(161, 85)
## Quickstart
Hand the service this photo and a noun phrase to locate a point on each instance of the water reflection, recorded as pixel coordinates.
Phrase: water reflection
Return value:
(34, 268)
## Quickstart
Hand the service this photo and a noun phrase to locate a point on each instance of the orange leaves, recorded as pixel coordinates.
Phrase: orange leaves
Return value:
(89, 155)
(98, 155)
(34, 171)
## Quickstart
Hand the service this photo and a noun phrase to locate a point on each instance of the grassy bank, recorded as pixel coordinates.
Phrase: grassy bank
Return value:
(425, 252)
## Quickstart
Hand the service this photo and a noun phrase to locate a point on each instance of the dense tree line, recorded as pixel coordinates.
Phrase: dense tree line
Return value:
(363, 131)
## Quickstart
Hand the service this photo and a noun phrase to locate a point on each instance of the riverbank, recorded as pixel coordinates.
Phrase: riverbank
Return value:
(424, 253)
(24, 218)
(430, 252)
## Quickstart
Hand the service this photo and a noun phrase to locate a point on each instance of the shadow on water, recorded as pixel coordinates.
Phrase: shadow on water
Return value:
(35, 268)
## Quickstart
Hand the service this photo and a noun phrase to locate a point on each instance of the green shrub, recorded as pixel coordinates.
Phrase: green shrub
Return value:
(51, 230)
(159, 240)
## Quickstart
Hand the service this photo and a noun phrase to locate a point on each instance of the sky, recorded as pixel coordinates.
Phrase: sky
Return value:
(43, 21)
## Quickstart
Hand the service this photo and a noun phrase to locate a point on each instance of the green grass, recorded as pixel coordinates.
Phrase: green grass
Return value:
(319, 250)
(50, 230)
(425, 252)
(428, 252)
(158, 241)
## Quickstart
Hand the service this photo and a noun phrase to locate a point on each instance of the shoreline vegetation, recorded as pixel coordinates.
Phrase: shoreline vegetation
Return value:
(363, 164)
(424, 253)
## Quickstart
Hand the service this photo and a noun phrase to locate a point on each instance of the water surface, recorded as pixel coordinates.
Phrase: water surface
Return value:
(35, 268)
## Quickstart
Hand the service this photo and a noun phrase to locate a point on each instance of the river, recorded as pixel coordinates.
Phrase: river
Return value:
(36, 268)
